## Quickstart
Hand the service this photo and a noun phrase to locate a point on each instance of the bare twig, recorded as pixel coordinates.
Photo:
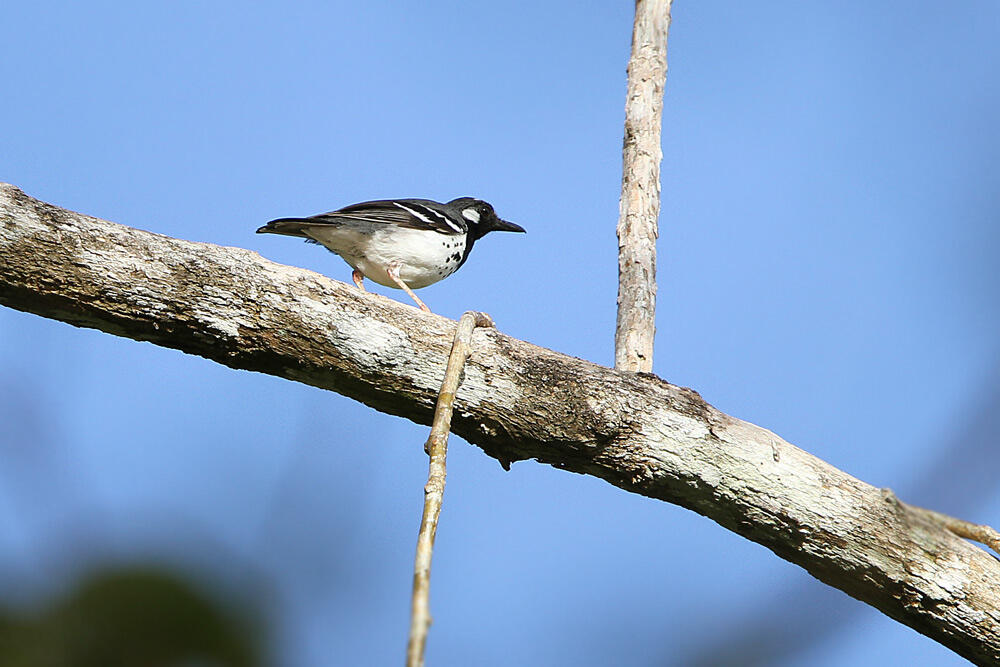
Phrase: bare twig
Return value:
(640, 202)
(965, 529)
(437, 450)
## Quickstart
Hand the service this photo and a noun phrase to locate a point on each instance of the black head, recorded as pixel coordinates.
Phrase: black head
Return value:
(481, 217)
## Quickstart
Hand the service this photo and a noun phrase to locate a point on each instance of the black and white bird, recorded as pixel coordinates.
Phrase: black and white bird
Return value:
(402, 243)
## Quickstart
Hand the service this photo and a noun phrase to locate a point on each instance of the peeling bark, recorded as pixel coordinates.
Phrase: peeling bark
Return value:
(640, 201)
(517, 401)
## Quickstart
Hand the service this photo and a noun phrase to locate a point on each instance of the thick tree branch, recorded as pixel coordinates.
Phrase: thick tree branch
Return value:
(517, 401)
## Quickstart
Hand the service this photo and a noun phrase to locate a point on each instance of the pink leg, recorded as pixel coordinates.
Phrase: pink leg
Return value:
(393, 272)
(359, 280)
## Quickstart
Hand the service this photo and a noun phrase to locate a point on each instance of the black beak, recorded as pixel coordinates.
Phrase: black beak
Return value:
(504, 226)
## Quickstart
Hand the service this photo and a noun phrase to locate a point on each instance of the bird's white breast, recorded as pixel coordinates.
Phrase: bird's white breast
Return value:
(424, 257)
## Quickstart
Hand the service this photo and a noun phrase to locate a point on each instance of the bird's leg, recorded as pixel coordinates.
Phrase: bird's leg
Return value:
(393, 272)
(359, 280)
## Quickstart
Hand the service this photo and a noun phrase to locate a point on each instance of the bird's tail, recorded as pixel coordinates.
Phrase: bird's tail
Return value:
(287, 226)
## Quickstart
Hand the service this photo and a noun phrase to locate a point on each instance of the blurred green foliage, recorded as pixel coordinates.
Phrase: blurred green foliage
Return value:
(132, 617)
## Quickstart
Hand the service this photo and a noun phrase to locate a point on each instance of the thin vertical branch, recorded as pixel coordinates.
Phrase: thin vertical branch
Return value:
(640, 202)
(437, 450)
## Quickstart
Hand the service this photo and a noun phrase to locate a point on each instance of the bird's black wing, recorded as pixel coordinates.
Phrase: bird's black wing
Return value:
(410, 213)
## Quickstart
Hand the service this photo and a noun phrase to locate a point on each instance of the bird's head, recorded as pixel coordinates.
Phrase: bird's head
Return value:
(481, 217)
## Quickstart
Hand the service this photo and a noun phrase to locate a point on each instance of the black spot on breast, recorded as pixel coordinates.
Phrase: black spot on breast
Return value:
(455, 257)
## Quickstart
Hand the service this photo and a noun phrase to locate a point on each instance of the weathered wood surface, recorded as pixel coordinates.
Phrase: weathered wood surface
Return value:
(517, 401)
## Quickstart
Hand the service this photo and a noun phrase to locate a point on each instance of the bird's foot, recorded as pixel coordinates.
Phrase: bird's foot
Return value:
(393, 272)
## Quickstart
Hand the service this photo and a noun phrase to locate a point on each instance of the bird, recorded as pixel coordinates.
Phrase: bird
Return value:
(401, 243)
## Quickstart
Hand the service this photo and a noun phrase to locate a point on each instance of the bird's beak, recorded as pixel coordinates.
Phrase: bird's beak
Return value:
(504, 226)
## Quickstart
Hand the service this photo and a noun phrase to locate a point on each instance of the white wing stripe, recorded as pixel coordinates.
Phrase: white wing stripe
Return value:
(415, 214)
(431, 211)
(443, 217)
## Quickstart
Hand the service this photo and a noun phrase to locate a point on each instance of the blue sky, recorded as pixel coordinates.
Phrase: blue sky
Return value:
(827, 269)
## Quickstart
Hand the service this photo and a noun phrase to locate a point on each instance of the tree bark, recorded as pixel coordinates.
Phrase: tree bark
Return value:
(640, 202)
(517, 401)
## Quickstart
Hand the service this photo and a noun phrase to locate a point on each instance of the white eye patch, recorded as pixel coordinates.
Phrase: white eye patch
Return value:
(470, 214)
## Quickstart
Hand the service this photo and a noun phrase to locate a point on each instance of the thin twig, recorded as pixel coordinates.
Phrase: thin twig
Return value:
(437, 450)
(965, 529)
